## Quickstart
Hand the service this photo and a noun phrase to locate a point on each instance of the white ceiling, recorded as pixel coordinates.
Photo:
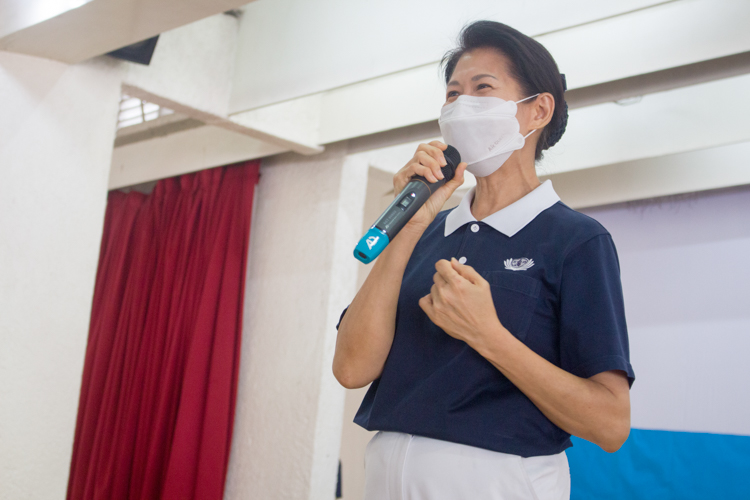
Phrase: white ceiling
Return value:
(72, 31)
(290, 48)
(300, 74)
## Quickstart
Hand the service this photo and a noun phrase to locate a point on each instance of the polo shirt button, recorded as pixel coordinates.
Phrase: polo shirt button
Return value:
(474, 228)
(462, 260)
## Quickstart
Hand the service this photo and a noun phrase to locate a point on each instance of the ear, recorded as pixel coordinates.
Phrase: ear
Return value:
(541, 111)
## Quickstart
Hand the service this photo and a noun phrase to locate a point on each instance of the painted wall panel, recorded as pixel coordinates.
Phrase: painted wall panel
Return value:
(686, 281)
(692, 375)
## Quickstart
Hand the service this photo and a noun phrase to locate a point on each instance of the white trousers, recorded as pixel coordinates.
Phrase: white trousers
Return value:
(404, 467)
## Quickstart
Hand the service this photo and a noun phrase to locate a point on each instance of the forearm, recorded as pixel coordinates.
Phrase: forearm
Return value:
(366, 331)
(583, 407)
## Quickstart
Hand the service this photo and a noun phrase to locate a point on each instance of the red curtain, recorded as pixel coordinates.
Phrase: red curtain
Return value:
(159, 383)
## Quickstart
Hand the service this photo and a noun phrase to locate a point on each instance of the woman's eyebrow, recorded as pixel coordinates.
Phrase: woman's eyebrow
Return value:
(479, 77)
(473, 79)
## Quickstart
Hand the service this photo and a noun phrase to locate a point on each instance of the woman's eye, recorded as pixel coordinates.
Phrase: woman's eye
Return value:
(483, 86)
(452, 94)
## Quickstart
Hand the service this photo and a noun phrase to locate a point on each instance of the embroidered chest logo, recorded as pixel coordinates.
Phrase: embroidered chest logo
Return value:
(518, 264)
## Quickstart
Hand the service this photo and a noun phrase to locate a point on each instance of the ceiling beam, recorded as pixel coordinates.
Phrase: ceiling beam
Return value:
(183, 152)
(684, 119)
(256, 132)
(660, 81)
(655, 177)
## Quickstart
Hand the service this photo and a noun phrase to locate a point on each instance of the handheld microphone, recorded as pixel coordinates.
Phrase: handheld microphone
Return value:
(402, 209)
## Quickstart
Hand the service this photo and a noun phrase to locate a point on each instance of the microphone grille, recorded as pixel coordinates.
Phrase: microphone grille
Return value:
(452, 158)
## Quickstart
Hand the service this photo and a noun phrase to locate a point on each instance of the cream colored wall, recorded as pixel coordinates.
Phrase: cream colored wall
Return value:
(57, 127)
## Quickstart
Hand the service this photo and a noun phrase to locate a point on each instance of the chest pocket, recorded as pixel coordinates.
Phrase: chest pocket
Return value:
(515, 297)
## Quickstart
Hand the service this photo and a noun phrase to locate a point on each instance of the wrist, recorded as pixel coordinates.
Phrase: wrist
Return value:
(494, 343)
(415, 228)
(399, 250)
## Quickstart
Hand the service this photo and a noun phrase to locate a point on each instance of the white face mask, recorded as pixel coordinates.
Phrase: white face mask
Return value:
(484, 130)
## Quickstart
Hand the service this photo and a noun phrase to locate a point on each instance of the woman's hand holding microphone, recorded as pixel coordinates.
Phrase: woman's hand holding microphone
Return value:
(427, 162)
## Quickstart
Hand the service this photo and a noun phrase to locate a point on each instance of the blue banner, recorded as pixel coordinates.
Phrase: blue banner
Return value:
(663, 465)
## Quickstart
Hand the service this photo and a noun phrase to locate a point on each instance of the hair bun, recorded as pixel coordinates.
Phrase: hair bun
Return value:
(556, 135)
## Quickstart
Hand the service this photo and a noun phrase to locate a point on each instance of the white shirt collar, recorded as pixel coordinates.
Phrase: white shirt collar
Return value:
(510, 219)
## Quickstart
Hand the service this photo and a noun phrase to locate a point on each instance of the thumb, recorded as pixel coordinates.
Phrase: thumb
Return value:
(466, 272)
(458, 177)
(443, 194)
(447, 189)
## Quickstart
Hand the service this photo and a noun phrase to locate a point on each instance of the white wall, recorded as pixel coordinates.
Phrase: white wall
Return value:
(300, 277)
(56, 133)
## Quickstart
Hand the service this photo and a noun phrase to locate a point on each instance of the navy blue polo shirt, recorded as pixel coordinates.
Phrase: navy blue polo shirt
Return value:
(555, 282)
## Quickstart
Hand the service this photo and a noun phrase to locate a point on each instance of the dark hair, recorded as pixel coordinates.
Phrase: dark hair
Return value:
(531, 65)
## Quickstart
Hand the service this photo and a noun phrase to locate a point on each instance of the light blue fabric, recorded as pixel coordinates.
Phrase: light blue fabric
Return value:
(663, 465)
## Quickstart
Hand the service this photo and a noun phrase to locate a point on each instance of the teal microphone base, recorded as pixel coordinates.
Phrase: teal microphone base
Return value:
(371, 244)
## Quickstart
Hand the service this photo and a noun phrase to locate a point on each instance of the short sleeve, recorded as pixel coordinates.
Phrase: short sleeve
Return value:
(593, 332)
(341, 317)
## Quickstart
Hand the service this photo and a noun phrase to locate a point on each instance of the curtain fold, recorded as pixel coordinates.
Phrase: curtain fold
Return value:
(159, 383)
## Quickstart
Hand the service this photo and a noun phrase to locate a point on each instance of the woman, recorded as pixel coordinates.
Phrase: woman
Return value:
(493, 331)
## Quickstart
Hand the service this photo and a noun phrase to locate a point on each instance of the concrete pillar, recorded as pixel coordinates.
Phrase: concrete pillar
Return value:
(301, 274)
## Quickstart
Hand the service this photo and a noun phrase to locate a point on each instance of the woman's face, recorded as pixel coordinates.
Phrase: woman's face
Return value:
(483, 72)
